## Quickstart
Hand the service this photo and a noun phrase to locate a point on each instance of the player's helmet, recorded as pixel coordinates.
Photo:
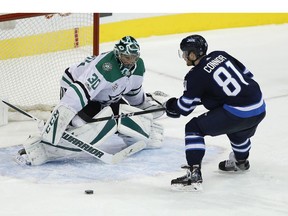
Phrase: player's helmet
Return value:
(194, 43)
(127, 51)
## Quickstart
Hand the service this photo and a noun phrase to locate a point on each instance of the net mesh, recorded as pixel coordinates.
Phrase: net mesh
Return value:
(36, 51)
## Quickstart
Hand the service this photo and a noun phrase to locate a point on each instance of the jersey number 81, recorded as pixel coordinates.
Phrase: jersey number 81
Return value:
(230, 85)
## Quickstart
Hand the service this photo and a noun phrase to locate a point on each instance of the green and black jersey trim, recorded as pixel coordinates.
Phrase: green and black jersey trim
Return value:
(134, 92)
(86, 94)
(68, 75)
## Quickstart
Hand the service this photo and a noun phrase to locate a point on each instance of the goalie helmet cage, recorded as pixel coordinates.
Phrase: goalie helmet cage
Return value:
(36, 48)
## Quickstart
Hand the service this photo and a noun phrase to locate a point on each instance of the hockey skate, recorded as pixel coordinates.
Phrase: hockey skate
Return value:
(192, 181)
(233, 165)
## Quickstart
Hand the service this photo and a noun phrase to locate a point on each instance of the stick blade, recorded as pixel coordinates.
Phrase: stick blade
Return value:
(130, 150)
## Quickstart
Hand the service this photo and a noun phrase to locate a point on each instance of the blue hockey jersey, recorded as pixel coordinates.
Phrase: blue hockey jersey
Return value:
(220, 80)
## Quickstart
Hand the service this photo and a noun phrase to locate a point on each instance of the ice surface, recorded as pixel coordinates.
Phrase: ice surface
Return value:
(140, 185)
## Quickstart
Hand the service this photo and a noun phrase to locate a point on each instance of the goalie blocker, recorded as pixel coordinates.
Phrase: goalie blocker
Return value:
(140, 129)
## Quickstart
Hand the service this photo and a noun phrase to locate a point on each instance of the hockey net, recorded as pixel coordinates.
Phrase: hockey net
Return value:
(35, 51)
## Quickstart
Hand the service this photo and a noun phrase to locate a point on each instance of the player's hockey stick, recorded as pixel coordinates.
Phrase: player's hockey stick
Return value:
(87, 147)
(123, 115)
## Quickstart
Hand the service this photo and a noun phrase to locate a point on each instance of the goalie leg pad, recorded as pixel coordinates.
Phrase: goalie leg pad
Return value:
(156, 136)
(39, 152)
(141, 127)
(35, 150)
(135, 126)
(128, 140)
(57, 124)
(97, 132)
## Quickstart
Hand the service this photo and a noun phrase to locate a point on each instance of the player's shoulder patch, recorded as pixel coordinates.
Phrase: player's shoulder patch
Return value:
(107, 66)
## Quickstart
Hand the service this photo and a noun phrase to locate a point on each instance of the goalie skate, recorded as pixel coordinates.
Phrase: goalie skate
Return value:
(21, 158)
(192, 181)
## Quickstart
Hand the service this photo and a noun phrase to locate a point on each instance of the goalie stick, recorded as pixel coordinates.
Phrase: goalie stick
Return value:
(87, 147)
(122, 115)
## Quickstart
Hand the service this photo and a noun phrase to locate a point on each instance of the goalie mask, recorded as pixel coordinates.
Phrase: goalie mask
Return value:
(127, 52)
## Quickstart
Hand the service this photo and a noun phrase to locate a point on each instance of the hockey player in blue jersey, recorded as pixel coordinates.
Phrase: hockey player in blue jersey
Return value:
(226, 88)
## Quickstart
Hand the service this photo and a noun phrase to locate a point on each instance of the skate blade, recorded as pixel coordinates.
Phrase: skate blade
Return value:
(233, 172)
(193, 187)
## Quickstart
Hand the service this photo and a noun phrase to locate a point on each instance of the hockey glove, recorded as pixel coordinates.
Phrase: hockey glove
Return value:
(170, 111)
(150, 103)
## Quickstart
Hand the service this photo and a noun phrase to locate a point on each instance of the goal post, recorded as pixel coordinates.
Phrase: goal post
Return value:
(35, 50)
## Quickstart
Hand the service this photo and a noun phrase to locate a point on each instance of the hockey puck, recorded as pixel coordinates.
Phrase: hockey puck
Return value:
(89, 191)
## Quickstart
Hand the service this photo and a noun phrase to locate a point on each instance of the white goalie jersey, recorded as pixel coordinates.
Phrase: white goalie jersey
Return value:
(100, 79)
